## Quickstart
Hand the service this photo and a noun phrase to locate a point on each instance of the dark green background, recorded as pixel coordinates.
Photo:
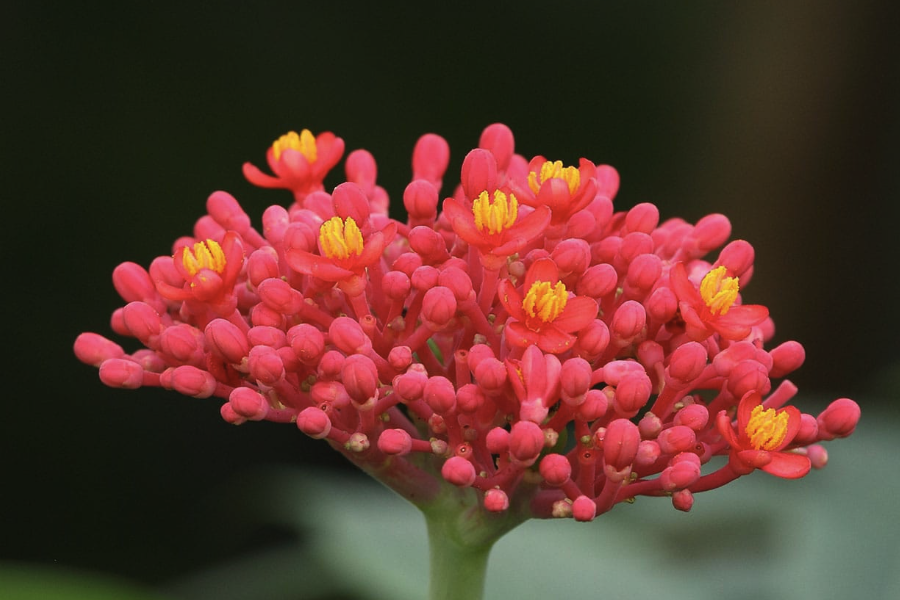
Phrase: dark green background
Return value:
(120, 120)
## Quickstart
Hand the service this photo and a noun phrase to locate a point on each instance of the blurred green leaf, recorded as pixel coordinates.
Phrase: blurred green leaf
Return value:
(19, 581)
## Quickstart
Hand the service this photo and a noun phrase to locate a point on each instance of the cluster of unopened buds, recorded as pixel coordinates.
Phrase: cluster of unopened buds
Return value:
(521, 340)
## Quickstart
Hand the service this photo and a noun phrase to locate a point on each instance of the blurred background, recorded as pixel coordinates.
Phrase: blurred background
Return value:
(120, 119)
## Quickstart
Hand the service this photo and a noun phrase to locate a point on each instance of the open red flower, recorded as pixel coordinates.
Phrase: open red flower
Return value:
(300, 162)
(546, 316)
(762, 434)
(712, 308)
(492, 225)
(209, 270)
(565, 190)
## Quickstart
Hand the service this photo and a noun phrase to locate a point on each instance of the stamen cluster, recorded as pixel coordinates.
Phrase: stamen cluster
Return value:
(528, 341)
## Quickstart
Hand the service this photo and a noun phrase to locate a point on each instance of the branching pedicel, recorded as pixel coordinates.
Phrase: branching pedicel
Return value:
(528, 350)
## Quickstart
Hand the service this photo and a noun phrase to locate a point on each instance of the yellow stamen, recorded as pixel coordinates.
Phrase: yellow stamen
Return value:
(766, 428)
(497, 215)
(305, 143)
(204, 255)
(719, 292)
(555, 170)
(545, 302)
(340, 238)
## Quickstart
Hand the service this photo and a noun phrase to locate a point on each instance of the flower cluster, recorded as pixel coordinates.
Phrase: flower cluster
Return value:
(522, 338)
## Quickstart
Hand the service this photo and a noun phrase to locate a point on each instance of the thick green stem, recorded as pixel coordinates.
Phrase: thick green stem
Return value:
(457, 570)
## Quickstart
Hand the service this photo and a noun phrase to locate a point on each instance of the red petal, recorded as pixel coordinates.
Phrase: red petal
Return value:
(723, 424)
(683, 288)
(555, 340)
(518, 335)
(260, 179)
(530, 227)
(737, 322)
(750, 401)
(317, 266)
(511, 299)
(578, 313)
(543, 269)
(787, 465)
(463, 222)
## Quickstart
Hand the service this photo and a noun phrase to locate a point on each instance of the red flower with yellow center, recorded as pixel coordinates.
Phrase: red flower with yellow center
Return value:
(564, 190)
(209, 269)
(546, 316)
(493, 226)
(761, 437)
(300, 162)
(343, 251)
(712, 308)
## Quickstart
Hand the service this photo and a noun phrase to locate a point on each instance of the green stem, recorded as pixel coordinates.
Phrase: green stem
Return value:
(457, 570)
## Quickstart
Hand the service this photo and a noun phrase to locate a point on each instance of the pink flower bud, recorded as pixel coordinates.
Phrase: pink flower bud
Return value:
(642, 218)
(438, 307)
(400, 357)
(632, 393)
(277, 294)
(683, 500)
(275, 221)
(594, 407)
(248, 403)
(458, 471)
(265, 365)
(808, 432)
(496, 500)
(420, 198)
(584, 509)
(395, 285)
(695, 416)
(633, 245)
(469, 398)
(575, 380)
(650, 425)
(682, 472)
(661, 305)
(620, 443)
(229, 416)
(490, 373)
(710, 232)
(92, 349)
(226, 211)
(498, 138)
(555, 469)
(431, 156)
(439, 394)
(678, 438)
(300, 236)
(262, 335)
(786, 358)
(226, 341)
(329, 393)
(121, 373)
(497, 441)
(597, 281)
(686, 363)
(406, 263)
(643, 272)
(457, 281)
(330, 365)
(429, 244)
(737, 257)
(818, 456)
(395, 442)
(571, 256)
(593, 339)
(839, 419)
(360, 378)
(183, 342)
(582, 224)
(748, 376)
(479, 173)
(361, 169)
(142, 321)
(628, 321)
(314, 422)
(133, 283)
(306, 342)
(648, 453)
(263, 316)
(727, 359)
(358, 442)
(348, 336)
(192, 381)
(424, 278)
(410, 385)
(526, 440)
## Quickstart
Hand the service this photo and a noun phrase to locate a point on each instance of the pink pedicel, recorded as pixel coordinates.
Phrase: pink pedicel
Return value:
(515, 340)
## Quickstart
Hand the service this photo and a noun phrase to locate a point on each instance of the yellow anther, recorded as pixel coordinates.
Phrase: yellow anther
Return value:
(555, 170)
(305, 143)
(545, 301)
(497, 215)
(340, 238)
(719, 292)
(766, 428)
(204, 255)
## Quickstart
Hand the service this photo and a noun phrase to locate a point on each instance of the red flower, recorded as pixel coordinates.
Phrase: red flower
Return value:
(299, 161)
(493, 227)
(546, 316)
(762, 434)
(565, 190)
(712, 308)
(209, 270)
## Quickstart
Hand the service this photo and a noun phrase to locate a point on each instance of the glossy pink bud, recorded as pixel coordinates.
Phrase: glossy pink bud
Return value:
(555, 469)
(226, 211)
(121, 373)
(695, 416)
(307, 342)
(469, 398)
(275, 220)
(400, 357)
(314, 422)
(360, 378)
(643, 273)
(439, 394)
(571, 256)
(133, 283)
(491, 374)
(226, 341)
(395, 442)
(267, 336)
(407, 263)
(431, 155)
(438, 306)
(330, 364)
(633, 245)
(620, 443)
(479, 173)
(248, 403)
(786, 358)
(683, 500)
(650, 425)
(678, 438)
(429, 244)
(593, 339)
(265, 365)
(726, 360)
(738, 258)
(410, 385)
(575, 380)
(526, 440)
(808, 432)
(424, 278)
(498, 138)
(684, 470)
(192, 381)
(632, 393)
(93, 349)
(457, 281)
(458, 471)
(686, 363)
(839, 419)
(642, 218)
(584, 509)
(748, 376)
(629, 321)
(497, 441)
(362, 170)
(330, 393)
(183, 342)
(496, 500)
(420, 198)
(595, 405)
(597, 281)
(262, 265)
(711, 232)
(396, 285)
(647, 454)
(348, 336)
(277, 294)
(818, 456)
(142, 321)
